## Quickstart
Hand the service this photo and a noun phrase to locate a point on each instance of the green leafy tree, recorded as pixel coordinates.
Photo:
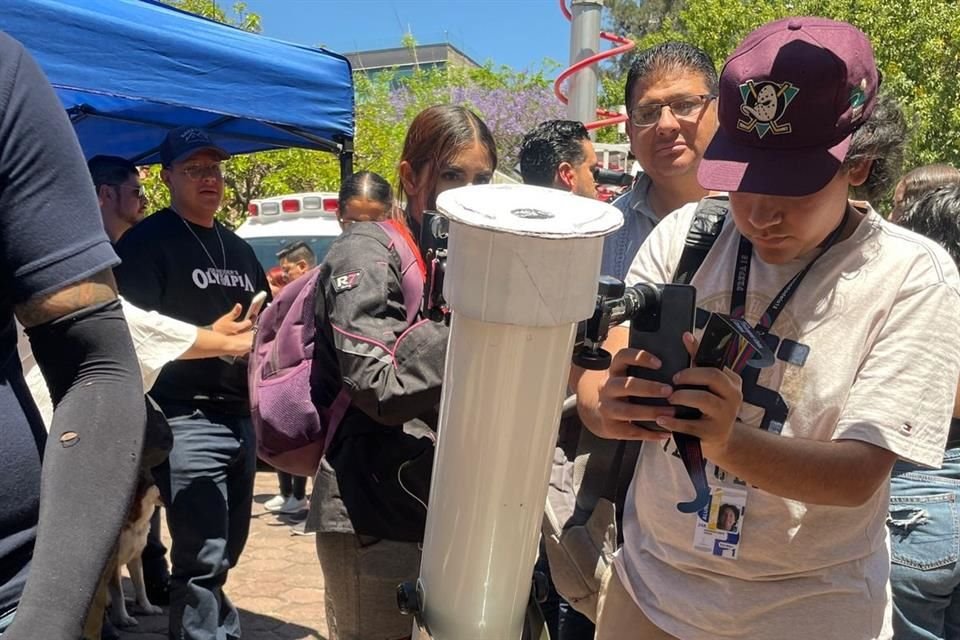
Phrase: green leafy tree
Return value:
(239, 16)
(637, 20)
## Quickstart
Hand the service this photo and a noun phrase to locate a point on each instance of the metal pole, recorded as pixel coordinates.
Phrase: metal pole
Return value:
(584, 42)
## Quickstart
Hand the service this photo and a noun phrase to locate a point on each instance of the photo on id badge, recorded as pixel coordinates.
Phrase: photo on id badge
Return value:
(720, 522)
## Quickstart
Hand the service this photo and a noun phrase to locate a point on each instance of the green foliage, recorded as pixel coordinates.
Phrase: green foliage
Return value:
(510, 102)
(610, 96)
(239, 16)
(916, 42)
(639, 20)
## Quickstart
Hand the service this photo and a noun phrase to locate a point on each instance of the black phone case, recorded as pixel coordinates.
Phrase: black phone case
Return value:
(661, 333)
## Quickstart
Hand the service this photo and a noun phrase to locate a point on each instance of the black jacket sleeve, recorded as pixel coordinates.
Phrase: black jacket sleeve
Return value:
(89, 466)
(392, 370)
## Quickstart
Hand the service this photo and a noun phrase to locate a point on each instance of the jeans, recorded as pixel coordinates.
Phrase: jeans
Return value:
(154, 556)
(207, 484)
(925, 544)
(291, 485)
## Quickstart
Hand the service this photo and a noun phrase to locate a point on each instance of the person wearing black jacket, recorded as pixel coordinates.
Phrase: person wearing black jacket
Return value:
(183, 263)
(369, 499)
(57, 529)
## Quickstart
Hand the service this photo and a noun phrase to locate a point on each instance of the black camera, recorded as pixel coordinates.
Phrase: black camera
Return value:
(612, 178)
(434, 231)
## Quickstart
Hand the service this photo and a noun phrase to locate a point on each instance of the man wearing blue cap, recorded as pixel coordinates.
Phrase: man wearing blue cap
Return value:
(861, 316)
(183, 263)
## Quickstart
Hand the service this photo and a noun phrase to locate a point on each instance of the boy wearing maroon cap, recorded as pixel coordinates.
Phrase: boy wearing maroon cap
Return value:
(853, 308)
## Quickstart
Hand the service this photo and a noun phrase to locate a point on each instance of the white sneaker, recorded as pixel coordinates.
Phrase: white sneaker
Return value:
(292, 505)
(275, 504)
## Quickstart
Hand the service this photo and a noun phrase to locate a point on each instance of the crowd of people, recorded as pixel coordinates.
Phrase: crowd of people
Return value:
(833, 473)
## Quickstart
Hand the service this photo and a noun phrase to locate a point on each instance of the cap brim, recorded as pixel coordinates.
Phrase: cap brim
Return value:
(186, 154)
(729, 166)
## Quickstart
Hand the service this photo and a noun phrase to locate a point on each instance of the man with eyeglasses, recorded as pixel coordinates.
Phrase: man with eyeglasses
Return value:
(296, 259)
(670, 97)
(183, 263)
(158, 339)
(559, 154)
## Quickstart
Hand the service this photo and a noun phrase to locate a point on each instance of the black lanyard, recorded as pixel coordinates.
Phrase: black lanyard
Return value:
(738, 297)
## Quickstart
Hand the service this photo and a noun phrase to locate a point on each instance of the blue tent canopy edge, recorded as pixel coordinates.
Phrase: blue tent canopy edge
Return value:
(129, 70)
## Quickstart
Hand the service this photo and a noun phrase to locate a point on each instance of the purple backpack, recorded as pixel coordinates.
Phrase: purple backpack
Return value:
(292, 432)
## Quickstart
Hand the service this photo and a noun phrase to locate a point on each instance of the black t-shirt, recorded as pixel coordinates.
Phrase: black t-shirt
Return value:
(182, 270)
(51, 236)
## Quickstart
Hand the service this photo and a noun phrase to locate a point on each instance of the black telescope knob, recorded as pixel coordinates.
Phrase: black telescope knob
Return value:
(591, 360)
(609, 287)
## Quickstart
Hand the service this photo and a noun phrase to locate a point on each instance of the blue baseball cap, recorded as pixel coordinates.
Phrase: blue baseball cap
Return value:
(184, 141)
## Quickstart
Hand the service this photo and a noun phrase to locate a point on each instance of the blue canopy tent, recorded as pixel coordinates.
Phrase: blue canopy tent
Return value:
(129, 70)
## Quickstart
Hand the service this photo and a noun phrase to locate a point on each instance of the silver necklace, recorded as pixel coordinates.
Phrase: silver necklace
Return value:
(223, 252)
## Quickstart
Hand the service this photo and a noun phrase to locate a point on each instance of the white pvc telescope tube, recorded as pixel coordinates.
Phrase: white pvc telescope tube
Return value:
(522, 271)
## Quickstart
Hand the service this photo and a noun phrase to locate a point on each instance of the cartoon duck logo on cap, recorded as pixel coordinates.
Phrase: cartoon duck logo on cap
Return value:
(764, 103)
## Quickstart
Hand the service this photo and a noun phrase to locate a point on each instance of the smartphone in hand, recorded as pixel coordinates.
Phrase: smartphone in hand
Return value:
(660, 332)
(256, 305)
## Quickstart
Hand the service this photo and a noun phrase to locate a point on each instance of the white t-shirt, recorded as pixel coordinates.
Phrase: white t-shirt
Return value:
(157, 339)
(873, 357)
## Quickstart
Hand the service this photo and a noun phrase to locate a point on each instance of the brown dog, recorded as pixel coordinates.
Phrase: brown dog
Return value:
(133, 538)
(130, 544)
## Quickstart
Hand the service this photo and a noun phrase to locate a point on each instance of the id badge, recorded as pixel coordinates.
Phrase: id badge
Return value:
(720, 523)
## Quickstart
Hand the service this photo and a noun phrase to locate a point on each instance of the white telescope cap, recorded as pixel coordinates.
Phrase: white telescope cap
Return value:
(524, 255)
(525, 210)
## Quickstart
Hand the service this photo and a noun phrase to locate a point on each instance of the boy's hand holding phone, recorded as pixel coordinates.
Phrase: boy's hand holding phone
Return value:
(718, 398)
(617, 408)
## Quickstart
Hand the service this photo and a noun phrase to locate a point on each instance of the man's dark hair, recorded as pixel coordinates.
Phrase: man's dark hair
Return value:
(111, 170)
(918, 182)
(667, 59)
(936, 215)
(546, 146)
(882, 139)
(297, 251)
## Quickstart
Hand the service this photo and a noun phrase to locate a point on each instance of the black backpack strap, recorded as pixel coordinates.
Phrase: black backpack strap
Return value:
(706, 225)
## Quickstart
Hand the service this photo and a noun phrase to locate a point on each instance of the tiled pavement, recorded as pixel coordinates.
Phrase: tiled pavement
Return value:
(277, 586)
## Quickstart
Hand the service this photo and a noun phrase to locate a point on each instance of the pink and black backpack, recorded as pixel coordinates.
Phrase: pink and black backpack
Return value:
(292, 432)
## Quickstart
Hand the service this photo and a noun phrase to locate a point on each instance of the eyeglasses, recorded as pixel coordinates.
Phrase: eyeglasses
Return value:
(198, 172)
(140, 191)
(687, 108)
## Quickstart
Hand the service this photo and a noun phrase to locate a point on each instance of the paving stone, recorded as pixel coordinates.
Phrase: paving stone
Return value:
(278, 585)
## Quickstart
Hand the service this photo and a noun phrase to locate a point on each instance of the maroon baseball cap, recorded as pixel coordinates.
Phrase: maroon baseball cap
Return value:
(791, 96)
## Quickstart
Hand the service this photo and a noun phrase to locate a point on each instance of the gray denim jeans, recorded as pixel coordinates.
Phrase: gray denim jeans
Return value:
(207, 484)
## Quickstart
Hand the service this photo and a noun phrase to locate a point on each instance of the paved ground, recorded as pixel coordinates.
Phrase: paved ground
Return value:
(277, 586)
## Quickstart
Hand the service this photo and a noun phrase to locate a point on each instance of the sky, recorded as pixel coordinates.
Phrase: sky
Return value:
(517, 33)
